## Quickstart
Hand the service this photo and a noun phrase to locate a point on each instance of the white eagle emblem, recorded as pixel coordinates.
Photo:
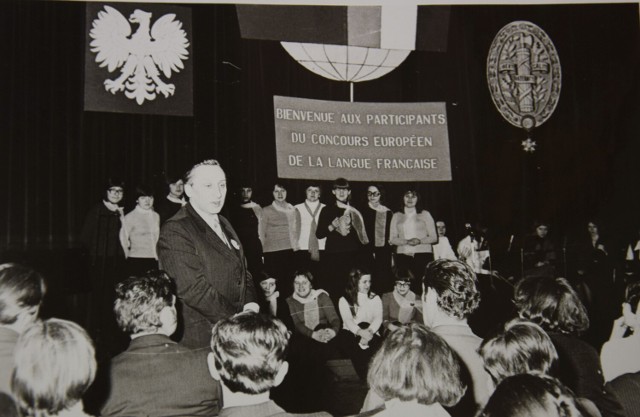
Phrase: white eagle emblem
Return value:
(143, 55)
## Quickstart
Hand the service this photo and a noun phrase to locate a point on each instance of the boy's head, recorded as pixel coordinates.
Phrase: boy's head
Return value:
(248, 352)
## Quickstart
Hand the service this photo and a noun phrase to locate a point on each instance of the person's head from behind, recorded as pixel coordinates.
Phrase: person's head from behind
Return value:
(146, 304)
(415, 364)
(358, 281)
(529, 395)
(54, 365)
(402, 277)
(449, 288)
(248, 352)
(551, 303)
(302, 283)
(21, 293)
(522, 347)
(206, 186)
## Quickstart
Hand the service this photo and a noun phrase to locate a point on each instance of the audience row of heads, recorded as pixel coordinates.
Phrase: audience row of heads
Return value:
(248, 350)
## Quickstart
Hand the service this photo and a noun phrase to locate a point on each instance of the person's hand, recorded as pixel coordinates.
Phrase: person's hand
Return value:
(414, 241)
(619, 329)
(318, 336)
(329, 334)
(391, 326)
(366, 337)
(344, 224)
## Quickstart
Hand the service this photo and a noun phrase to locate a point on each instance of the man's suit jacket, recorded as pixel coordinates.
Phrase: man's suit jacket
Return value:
(211, 278)
(156, 376)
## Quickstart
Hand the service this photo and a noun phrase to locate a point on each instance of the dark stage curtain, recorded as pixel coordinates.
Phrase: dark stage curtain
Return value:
(55, 157)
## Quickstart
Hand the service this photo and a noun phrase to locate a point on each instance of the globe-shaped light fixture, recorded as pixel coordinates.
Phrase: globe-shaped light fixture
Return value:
(346, 63)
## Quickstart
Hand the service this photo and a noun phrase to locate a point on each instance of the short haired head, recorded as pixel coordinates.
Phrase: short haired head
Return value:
(54, 365)
(140, 302)
(528, 395)
(414, 363)
(248, 352)
(455, 285)
(522, 347)
(341, 183)
(402, 274)
(551, 303)
(21, 292)
(112, 183)
(143, 191)
(207, 162)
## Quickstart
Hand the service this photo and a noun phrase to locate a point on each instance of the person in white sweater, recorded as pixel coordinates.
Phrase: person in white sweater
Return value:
(139, 234)
(361, 313)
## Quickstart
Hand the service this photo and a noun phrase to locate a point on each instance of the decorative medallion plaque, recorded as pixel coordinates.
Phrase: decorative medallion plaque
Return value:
(523, 72)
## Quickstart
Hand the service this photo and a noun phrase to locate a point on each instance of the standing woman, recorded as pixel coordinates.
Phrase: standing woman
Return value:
(174, 201)
(361, 314)
(377, 222)
(139, 234)
(101, 237)
(413, 231)
(278, 236)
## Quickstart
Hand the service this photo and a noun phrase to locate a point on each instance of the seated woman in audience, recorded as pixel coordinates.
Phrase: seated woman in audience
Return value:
(270, 300)
(315, 324)
(621, 354)
(361, 313)
(54, 365)
(312, 311)
(401, 306)
(279, 237)
(554, 305)
(527, 395)
(416, 373)
(413, 231)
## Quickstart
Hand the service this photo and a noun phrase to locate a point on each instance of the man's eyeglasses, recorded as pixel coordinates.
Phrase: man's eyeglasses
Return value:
(402, 284)
(373, 193)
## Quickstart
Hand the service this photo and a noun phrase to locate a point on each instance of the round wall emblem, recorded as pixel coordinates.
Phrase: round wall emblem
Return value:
(523, 72)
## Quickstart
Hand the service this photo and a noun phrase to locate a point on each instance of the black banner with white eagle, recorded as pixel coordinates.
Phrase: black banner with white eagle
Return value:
(138, 59)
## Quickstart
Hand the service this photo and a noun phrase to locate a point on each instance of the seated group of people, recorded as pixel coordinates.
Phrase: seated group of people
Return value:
(536, 365)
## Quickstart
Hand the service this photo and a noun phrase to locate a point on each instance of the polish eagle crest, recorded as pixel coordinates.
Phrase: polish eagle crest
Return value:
(142, 56)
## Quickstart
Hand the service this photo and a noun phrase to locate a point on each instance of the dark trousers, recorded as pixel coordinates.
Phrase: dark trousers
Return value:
(416, 264)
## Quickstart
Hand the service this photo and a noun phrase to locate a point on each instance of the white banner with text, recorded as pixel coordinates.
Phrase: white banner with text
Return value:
(317, 139)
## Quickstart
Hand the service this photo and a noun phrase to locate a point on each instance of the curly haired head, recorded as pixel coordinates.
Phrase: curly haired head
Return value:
(248, 350)
(551, 303)
(139, 301)
(455, 283)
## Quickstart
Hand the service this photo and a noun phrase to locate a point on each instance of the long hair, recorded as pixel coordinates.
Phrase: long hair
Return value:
(351, 289)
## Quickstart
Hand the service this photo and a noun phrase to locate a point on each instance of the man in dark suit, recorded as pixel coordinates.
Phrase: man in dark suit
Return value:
(203, 254)
(156, 376)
